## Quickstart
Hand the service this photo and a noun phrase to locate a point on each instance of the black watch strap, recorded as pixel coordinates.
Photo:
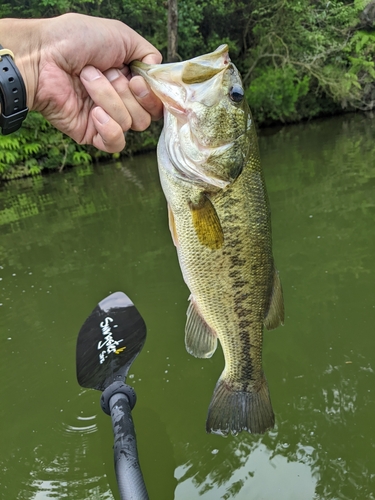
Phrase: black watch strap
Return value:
(12, 95)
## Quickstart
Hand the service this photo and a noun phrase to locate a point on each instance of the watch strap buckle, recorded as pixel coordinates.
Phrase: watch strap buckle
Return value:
(13, 122)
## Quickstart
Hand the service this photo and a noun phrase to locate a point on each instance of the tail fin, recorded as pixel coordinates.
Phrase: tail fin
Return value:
(236, 411)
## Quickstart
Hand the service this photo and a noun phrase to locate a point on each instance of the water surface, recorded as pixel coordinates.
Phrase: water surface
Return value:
(68, 240)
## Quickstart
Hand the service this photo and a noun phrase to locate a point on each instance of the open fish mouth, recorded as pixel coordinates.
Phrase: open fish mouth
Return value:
(197, 107)
(178, 84)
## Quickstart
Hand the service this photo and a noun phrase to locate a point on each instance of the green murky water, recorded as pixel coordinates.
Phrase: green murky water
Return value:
(69, 240)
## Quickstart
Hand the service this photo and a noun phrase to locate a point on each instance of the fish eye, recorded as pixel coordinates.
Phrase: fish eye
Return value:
(236, 93)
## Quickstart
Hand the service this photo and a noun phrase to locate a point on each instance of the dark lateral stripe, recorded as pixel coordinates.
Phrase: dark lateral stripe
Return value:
(237, 261)
(234, 274)
(246, 364)
(239, 284)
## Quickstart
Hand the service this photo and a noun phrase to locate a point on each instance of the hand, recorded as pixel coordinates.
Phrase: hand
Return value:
(76, 74)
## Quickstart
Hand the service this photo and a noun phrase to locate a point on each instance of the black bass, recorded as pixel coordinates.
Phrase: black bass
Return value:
(220, 224)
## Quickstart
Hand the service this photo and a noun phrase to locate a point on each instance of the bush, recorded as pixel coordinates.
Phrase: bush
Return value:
(38, 146)
(299, 59)
(274, 94)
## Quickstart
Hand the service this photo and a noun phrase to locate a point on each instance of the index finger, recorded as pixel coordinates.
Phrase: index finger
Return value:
(138, 48)
(152, 59)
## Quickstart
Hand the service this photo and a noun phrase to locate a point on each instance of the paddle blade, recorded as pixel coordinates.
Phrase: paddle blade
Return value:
(109, 341)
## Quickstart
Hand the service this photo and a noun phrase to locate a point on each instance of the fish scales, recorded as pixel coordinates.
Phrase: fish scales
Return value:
(220, 223)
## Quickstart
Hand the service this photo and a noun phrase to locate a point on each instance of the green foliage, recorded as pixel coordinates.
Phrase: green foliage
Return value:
(320, 42)
(81, 158)
(274, 93)
(190, 17)
(360, 53)
(299, 59)
(36, 147)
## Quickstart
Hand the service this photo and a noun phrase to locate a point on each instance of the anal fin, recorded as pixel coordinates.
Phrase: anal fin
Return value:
(200, 339)
(275, 314)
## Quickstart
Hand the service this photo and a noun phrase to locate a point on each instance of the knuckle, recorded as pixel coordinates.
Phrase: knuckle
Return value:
(126, 123)
(142, 122)
(113, 137)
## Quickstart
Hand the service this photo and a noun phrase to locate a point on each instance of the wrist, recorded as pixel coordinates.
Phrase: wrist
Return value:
(23, 38)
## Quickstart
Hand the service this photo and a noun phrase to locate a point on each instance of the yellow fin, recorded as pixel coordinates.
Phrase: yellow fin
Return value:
(206, 223)
(172, 226)
(200, 340)
(275, 314)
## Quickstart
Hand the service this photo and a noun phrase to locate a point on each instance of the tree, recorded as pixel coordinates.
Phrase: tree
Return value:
(172, 55)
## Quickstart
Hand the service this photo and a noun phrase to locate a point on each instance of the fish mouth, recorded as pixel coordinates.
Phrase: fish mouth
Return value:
(178, 84)
(181, 86)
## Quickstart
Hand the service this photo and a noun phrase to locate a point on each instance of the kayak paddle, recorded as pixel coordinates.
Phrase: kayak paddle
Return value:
(108, 343)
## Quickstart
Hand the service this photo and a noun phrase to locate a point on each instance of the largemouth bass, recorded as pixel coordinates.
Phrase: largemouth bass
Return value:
(219, 219)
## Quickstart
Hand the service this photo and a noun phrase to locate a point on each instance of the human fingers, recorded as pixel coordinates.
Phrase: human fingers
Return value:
(98, 34)
(142, 92)
(146, 98)
(153, 58)
(140, 118)
(104, 95)
(138, 48)
(141, 109)
(105, 134)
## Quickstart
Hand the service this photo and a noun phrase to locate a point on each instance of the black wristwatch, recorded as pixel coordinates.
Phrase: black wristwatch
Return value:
(12, 94)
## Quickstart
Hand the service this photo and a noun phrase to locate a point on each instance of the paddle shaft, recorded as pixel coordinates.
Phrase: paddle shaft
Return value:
(128, 472)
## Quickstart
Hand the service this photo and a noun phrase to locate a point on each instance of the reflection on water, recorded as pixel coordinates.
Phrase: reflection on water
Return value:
(55, 489)
(69, 240)
(258, 474)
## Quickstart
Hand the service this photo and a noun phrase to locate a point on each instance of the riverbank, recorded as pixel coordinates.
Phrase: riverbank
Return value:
(299, 60)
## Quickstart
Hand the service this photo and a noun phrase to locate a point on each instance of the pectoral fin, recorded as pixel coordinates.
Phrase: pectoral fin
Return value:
(172, 226)
(275, 314)
(200, 340)
(206, 222)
